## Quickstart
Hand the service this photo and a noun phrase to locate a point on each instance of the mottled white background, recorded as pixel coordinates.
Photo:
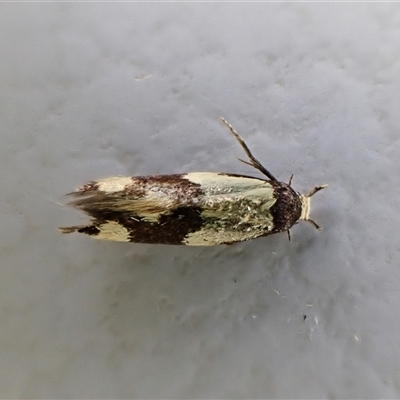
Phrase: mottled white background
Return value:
(89, 90)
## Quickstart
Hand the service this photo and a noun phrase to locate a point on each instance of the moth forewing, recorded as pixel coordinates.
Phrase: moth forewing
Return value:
(198, 208)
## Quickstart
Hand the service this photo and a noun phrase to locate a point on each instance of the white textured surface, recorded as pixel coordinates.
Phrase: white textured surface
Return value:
(100, 89)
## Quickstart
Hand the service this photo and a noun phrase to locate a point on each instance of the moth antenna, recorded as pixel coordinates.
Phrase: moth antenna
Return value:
(253, 161)
(245, 162)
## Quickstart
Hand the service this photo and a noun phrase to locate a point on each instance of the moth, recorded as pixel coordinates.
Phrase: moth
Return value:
(195, 209)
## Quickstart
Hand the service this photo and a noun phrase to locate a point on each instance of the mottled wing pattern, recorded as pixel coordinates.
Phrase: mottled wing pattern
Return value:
(193, 209)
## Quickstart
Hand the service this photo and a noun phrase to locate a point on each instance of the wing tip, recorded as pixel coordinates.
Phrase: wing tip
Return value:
(69, 229)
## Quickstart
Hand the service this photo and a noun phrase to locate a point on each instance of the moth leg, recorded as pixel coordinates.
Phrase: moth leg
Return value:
(288, 235)
(253, 161)
(290, 180)
(315, 190)
(314, 224)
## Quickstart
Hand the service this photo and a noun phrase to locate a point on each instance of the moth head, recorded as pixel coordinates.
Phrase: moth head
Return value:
(306, 205)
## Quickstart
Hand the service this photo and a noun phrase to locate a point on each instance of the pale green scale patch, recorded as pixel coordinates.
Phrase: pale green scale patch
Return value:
(217, 183)
(234, 209)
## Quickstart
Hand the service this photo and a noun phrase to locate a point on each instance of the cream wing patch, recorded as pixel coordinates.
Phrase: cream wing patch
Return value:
(112, 230)
(115, 184)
